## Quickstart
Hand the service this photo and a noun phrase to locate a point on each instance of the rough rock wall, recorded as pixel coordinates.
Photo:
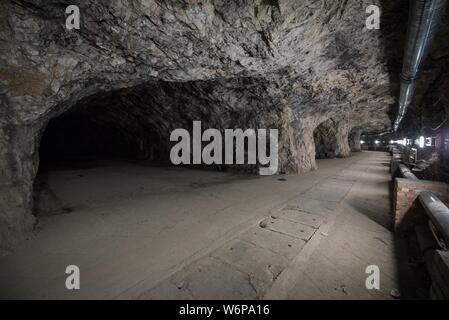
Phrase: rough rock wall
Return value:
(163, 106)
(332, 139)
(343, 149)
(354, 140)
(18, 166)
(308, 60)
(325, 140)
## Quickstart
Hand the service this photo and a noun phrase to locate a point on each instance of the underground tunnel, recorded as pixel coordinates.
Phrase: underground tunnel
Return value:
(83, 135)
(283, 150)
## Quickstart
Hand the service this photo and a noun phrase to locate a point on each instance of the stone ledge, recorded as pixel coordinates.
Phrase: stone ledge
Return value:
(406, 210)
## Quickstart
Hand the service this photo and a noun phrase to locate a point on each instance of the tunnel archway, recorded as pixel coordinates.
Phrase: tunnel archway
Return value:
(332, 139)
(103, 130)
(134, 124)
(325, 140)
(95, 133)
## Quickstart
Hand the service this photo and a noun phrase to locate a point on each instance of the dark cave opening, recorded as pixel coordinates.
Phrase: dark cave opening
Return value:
(76, 137)
(100, 128)
(87, 145)
(325, 140)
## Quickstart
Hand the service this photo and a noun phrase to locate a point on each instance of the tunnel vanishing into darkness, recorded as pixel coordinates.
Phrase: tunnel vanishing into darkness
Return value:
(85, 171)
(87, 135)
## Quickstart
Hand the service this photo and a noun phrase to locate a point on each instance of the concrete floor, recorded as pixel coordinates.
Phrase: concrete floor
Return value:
(142, 232)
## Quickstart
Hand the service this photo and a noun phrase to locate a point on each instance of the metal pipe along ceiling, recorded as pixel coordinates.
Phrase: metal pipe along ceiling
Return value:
(423, 21)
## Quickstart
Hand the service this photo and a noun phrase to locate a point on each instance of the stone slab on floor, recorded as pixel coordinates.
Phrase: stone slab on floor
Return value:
(274, 241)
(174, 241)
(309, 219)
(253, 260)
(354, 173)
(208, 278)
(336, 183)
(293, 229)
(242, 269)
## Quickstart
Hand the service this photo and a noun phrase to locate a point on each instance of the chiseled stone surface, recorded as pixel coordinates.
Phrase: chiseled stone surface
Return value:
(284, 63)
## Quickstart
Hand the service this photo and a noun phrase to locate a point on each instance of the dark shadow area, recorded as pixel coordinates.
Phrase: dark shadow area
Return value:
(325, 140)
(91, 133)
(411, 259)
(370, 209)
(393, 35)
(132, 126)
(97, 133)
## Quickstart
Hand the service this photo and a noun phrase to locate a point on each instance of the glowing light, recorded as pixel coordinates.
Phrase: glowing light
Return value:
(377, 142)
(404, 141)
(421, 142)
(362, 142)
(391, 141)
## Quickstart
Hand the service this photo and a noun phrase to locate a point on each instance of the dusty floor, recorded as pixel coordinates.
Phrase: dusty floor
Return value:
(137, 231)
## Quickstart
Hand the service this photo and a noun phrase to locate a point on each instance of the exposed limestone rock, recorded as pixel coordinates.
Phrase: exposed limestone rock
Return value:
(343, 149)
(325, 140)
(332, 139)
(354, 140)
(283, 64)
(18, 166)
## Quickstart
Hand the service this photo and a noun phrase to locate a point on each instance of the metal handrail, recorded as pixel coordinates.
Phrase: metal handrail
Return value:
(438, 214)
